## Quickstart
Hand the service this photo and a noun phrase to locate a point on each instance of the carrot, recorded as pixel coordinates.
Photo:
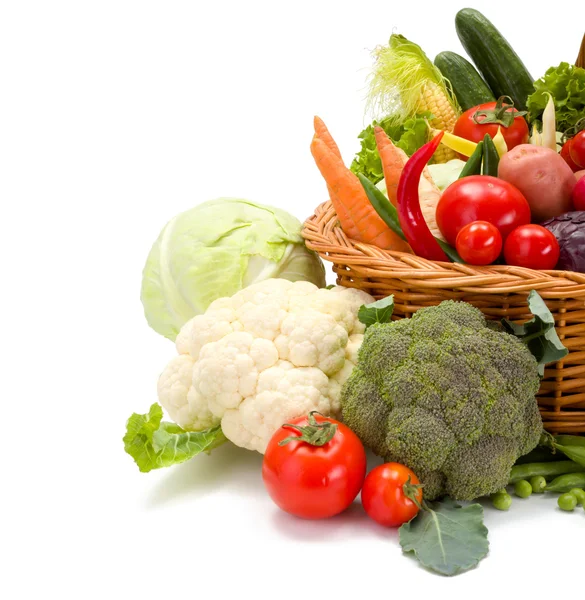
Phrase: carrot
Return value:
(322, 133)
(393, 161)
(357, 216)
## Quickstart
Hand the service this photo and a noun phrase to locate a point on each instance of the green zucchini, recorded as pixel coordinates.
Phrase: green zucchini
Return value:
(493, 56)
(468, 86)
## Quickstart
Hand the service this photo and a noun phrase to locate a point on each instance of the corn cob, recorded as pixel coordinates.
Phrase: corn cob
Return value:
(405, 83)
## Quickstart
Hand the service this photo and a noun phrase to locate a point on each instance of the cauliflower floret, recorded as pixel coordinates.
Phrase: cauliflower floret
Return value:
(282, 395)
(274, 351)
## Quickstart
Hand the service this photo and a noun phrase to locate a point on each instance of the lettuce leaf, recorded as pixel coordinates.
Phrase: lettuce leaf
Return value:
(154, 443)
(566, 83)
(409, 135)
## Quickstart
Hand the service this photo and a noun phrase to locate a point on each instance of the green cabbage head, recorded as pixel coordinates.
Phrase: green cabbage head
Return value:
(214, 250)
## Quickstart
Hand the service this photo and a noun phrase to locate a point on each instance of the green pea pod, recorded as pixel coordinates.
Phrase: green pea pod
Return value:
(565, 483)
(473, 164)
(547, 469)
(388, 213)
(491, 158)
(570, 440)
(575, 453)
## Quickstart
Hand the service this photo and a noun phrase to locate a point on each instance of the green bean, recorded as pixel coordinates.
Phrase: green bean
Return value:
(538, 483)
(501, 500)
(565, 483)
(579, 494)
(522, 488)
(382, 206)
(491, 158)
(567, 502)
(473, 164)
(548, 469)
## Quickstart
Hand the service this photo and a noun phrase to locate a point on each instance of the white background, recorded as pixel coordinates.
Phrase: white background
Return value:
(117, 115)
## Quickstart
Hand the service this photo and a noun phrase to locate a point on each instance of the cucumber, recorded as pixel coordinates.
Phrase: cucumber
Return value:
(468, 86)
(493, 56)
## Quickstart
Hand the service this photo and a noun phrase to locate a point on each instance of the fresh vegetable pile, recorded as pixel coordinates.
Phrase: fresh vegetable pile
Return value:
(519, 146)
(470, 164)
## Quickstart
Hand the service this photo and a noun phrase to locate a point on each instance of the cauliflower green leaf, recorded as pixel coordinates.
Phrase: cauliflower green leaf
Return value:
(154, 443)
(446, 537)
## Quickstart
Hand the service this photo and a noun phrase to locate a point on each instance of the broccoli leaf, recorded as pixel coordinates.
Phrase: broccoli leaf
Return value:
(446, 537)
(377, 312)
(154, 444)
(539, 334)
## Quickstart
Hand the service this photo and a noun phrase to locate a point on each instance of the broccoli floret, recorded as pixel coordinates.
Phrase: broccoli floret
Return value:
(448, 396)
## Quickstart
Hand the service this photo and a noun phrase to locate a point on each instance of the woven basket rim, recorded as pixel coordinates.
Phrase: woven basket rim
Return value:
(323, 234)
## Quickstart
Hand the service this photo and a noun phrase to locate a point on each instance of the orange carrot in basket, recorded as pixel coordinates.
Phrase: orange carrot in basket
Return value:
(357, 216)
(322, 133)
(393, 161)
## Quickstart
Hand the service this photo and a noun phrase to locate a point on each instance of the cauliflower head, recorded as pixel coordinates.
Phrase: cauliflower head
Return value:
(448, 396)
(274, 351)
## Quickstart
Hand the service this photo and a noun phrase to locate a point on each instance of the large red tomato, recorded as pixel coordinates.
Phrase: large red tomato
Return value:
(317, 475)
(474, 123)
(481, 198)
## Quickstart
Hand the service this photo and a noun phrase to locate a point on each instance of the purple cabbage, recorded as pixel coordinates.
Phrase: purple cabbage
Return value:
(569, 229)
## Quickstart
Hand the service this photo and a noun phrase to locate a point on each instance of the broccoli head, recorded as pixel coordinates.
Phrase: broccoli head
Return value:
(448, 396)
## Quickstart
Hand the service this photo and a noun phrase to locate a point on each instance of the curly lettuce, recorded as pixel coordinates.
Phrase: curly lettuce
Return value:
(566, 83)
(409, 135)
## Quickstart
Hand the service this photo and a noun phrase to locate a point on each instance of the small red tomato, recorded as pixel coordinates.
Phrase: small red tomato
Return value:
(471, 127)
(532, 247)
(479, 243)
(577, 149)
(481, 198)
(578, 196)
(566, 155)
(314, 467)
(384, 494)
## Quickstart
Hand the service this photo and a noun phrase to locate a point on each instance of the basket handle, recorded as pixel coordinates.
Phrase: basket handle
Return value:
(580, 62)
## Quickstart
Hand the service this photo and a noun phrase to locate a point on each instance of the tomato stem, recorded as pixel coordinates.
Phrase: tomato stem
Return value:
(315, 434)
(499, 114)
(410, 490)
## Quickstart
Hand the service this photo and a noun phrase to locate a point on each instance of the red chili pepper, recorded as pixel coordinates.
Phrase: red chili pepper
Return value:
(413, 224)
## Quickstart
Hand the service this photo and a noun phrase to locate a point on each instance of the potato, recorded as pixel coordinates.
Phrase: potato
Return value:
(542, 176)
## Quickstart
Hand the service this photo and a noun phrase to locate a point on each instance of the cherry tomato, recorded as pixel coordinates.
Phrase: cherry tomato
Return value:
(515, 134)
(479, 243)
(533, 247)
(314, 481)
(566, 154)
(383, 494)
(481, 198)
(579, 194)
(577, 150)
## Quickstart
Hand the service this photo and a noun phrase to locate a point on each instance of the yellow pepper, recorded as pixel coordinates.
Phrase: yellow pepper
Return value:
(456, 143)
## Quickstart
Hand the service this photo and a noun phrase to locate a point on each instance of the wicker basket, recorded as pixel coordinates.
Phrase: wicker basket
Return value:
(498, 291)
